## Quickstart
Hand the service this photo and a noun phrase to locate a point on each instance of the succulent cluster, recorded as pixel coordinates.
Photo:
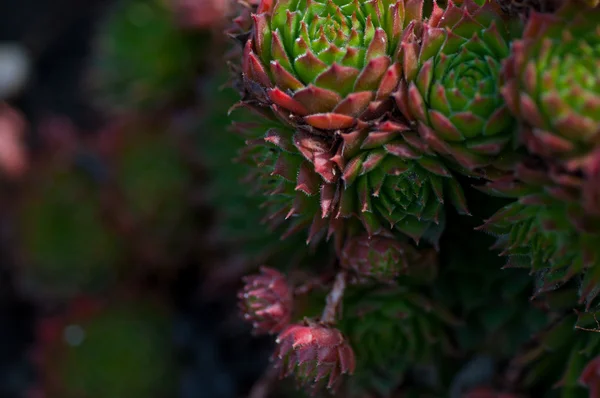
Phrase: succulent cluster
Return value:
(423, 177)
(370, 123)
(552, 89)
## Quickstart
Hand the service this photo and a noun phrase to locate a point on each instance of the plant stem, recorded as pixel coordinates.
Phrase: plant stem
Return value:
(310, 285)
(334, 298)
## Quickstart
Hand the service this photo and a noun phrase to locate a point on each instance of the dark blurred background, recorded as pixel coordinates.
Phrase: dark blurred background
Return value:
(107, 238)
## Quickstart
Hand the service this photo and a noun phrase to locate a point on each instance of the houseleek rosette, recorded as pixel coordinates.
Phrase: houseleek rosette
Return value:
(451, 88)
(547, 230)
(317, 354)
(553, 85)
(391, 330)
(382, 176)
(324, 63)
(385, 257)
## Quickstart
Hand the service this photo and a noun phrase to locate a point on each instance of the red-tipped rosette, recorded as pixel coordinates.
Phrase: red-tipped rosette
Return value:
(325, 64)
(552, 84)
(315, 353)
(450, 86)
(266, 301)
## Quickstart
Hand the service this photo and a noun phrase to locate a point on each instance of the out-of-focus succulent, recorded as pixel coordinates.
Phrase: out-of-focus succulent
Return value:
(382, 176)
(13, 157)
(242, 20)
(201, 14)
(142, 61)
(99, 349)
(450, 87)
(554, 88)
(149, 188)
(552, 83)
(266, 301)
(240, 223)
(546, 229)
(385, 257)
(64, 246)
(316, 354)
(391, 330)
(590, 377)
(326, 64)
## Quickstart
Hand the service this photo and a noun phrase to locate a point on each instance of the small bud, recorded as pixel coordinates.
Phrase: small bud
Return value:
(384, 258)
(590, 377)
(266, 301)
(316, 354)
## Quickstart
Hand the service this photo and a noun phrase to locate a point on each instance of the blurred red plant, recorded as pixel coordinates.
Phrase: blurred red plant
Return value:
(13, 153)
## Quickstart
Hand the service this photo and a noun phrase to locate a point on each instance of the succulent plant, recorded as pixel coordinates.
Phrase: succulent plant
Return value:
(552, 89)
(64, 246)
(142, 61)
(240, 221)
(266, 301)
(99, 349)
(381, 176)
(384, 258)
(552, 85)
(374, 166)
(546, 230)
(326, 64)
(315, 353)
(451, 83)
(392, 329)
(149, 187)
